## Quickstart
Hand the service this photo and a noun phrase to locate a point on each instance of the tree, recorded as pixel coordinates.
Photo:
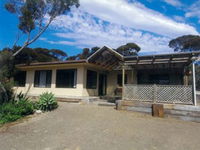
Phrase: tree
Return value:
(129, 49)
(185, 43)
(6, 72)
(85, 53)
(72, 58)
(37, 15)
(94, 49)
(29, 55)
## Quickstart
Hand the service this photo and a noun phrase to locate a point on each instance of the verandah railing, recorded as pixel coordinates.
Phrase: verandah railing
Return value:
(179, 94)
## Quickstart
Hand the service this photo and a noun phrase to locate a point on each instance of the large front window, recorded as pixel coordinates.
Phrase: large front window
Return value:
(66, 78)
(91, 79)
(42, 78)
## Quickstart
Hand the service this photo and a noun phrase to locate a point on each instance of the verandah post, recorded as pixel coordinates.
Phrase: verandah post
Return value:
(123, 82)
(194, 84)
(154, 93)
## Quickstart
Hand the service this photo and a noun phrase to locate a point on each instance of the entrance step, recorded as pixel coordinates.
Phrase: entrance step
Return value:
(69, 100)
(111, 99)
(106, 104)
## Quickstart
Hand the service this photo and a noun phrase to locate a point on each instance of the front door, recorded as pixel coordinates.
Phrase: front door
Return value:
(102, 84)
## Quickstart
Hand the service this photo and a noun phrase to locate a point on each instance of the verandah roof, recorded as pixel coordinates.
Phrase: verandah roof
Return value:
(173, 60)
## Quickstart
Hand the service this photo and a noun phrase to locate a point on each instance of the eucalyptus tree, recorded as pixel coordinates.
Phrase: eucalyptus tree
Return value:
(185, 43)
(128, 49)
(35, 16)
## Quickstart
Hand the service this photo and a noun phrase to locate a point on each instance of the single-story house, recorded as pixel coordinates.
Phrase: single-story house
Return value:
(104, 73)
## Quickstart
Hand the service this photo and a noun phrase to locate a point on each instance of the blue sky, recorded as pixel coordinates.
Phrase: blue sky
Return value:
(149, 23)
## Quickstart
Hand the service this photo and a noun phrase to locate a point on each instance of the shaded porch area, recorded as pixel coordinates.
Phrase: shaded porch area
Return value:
(160, 78)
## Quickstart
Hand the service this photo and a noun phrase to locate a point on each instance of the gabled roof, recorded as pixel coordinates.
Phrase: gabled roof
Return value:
(106, 57)
(108, 49)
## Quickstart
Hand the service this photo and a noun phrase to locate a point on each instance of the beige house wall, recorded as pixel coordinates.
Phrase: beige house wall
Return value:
(59, 92)
(80, 90)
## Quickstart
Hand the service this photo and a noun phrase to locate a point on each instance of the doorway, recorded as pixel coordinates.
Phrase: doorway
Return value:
(102, 84)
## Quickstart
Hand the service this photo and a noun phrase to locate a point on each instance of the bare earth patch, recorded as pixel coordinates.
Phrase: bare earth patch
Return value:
(91, 127)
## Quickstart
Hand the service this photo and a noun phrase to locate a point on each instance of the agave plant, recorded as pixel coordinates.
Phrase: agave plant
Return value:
(47, 102)
(21, 96)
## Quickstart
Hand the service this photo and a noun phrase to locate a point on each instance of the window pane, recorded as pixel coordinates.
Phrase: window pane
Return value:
(42, 78)
(48, 78)
(66, 78)
(20, 78)
(43, 75)
(91, 79)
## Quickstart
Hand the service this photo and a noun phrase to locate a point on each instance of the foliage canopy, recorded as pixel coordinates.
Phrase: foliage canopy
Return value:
(185, 43)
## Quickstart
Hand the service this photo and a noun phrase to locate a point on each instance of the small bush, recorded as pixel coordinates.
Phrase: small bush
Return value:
(35, 105)
(14, 110)
(47, 102)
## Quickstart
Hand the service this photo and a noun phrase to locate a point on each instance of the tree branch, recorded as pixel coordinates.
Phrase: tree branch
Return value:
(34, 39)
(18, 36)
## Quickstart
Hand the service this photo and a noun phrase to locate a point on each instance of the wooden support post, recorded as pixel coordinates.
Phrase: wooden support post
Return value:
(123, 81)
(194, 83)
(186, 80)
(155, 93)
(132, 76)
(186, 77)
(123, 76)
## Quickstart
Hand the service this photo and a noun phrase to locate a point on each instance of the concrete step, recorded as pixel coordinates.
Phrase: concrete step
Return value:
(106, 104)
(68, 100)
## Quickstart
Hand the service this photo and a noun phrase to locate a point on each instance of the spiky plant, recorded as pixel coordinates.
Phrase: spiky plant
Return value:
(47, 102)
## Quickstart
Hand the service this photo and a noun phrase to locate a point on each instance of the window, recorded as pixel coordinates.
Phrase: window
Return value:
(42, 78)
(66, 78)
(91, 79)
(20, 78)
(119, 79)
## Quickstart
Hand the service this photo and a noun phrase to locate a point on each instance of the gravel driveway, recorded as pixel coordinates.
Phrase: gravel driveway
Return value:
(90, 127)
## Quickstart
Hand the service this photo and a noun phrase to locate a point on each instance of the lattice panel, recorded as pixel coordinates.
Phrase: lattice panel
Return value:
(159, 93)
(138, 92)
(174, 94)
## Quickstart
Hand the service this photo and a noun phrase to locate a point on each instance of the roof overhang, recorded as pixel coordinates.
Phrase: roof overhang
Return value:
(52, 64)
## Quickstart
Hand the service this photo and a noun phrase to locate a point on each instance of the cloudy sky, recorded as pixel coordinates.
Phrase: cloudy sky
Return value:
(149, 23)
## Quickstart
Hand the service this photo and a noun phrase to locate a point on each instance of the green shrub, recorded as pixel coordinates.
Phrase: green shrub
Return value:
(47, 102)
(14, 110)
(35, 105)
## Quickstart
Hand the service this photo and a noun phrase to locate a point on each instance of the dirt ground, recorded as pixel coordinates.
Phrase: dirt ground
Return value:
(91, 127)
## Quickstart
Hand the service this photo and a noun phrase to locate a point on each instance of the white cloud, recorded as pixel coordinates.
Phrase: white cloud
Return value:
(83, 30)
(117, 22)
(179, 18)
(137, 16)
(175, 3)
(194, 10)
